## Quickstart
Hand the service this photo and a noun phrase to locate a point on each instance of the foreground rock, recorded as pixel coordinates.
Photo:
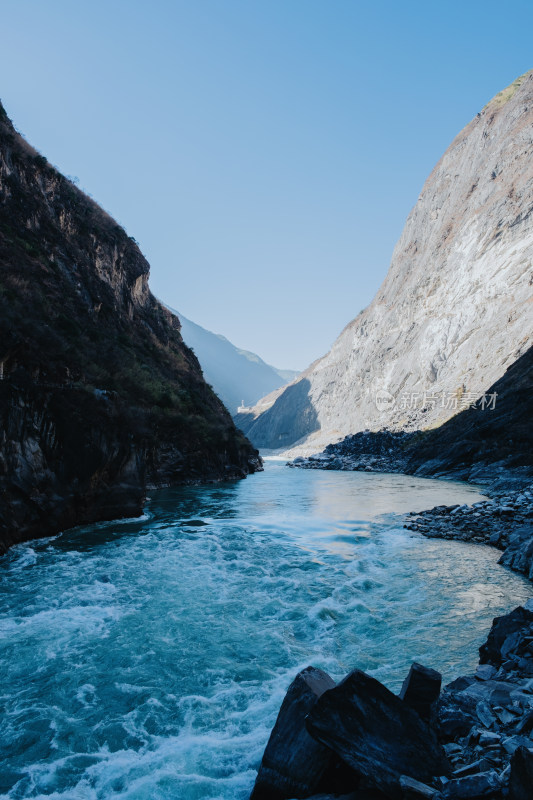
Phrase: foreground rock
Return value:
(421, 690)
(484, 719)
(521, 775)
(482, 784)
(294, 762)
(478, 743)
(509, 646)
(376, 733)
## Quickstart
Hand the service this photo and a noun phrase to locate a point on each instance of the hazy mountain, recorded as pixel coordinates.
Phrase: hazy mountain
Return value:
(237, 376)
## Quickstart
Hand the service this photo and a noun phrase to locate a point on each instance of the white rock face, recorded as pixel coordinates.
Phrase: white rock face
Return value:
(456, 308)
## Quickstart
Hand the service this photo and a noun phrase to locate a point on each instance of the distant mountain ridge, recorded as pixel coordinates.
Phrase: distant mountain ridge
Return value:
(237, 376)
(454, 311)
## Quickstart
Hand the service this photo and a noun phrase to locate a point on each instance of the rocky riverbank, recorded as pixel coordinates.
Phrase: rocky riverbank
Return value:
(380, 451)
(474, 739)
(492, 447)
(358, 741)
(505, 522)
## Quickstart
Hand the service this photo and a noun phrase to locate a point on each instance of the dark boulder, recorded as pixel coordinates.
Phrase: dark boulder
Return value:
(421, 689)
(376, 734)
(521, 778)
(455, 715)
(339, 779)
(518, 554)
(526, 723)
(293, 762)
(507, 637)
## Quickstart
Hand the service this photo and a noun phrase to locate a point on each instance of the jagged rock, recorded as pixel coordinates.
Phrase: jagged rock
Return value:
(521, 776)
(511, 743)
(505, 716)
(505, 636)
(414, 790)
(376, 733)
(485, 715)
(519, 551)
(452, 749)
(481, 765)
(485, 672)
(293, 762)
(526, 723)
(484, 784)
(421, 689)
(460, 683)
(499, 693)
(488, 738)
(455, 714)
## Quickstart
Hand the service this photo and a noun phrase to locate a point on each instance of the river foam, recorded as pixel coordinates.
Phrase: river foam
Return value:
(148, 659)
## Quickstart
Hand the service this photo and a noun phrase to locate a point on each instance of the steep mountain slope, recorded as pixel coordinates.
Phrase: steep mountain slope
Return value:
(455, 308)
(99, 396)
(489, 443)
(237, 376)
(471, 444)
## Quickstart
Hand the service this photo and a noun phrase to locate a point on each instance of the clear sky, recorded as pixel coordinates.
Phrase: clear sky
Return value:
(264, 153)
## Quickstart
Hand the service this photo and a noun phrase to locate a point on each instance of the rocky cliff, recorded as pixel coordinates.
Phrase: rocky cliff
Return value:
(99, 396)
(456, 307)
(482, 444)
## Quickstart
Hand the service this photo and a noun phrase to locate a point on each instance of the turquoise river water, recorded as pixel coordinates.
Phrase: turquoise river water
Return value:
(148, 658)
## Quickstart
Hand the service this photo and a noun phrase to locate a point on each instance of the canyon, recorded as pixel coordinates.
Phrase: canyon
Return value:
(454, 311)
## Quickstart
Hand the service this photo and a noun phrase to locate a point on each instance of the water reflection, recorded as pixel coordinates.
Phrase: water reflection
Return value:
(149, 658)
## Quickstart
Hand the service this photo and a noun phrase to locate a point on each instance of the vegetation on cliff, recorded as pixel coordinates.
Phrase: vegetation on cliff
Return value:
(99, 395)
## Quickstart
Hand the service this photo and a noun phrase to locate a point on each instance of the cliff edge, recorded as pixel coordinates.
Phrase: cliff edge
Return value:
(99, 396)
(455, 309)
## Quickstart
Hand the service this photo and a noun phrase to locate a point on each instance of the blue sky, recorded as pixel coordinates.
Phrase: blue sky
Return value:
(264, 154)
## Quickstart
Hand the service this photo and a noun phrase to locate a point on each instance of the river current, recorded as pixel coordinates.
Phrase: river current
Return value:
(148, 658)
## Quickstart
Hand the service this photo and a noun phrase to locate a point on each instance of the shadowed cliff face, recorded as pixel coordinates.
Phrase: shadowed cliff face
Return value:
(293, 416)
(473, 442)
(99, 396)
(455, 309)
(489, 443)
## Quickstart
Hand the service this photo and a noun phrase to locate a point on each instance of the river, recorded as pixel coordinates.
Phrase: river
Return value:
(148, 658)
